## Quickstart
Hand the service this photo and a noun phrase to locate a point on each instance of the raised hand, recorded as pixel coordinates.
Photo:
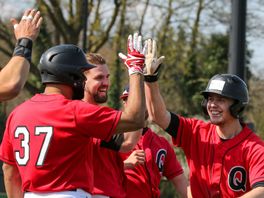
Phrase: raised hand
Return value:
(135, 158)
(135, 59)
(26, 31)
(29, 25)
(152, 63)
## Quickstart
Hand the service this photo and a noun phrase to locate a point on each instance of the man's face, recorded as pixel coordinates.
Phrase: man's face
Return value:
(218, 109)
(97, 84)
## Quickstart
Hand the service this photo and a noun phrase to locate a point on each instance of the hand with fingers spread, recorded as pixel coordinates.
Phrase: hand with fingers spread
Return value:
(26, 31)
(135, 158)
(135, 59)
(29, 25)
(151, 71)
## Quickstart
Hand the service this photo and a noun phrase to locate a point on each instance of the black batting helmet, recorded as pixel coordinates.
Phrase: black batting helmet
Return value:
(230, 86)
(64, 64)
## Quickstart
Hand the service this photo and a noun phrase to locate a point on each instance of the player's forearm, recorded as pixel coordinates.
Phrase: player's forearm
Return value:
(13, 77)
(136, 104)
(12, 181)
(156, 106)
(181, 185)
(130, 140)
(255, 193)
(133, 116)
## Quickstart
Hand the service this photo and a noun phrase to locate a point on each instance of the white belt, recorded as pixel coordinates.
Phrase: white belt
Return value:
(79, 193)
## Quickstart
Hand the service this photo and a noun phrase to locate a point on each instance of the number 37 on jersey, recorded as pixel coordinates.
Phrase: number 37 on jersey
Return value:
(23, 135)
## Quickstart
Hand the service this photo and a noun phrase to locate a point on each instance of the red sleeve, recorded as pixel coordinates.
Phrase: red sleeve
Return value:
(184, 134)
(189, 131)
(256, 161)
(6, 149)
(96, 121)
(172, 167)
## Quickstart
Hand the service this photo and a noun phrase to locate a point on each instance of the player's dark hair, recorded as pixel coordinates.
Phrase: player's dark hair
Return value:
(95, 59)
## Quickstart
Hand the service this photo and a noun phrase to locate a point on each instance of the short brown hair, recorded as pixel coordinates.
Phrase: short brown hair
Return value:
(95, 59)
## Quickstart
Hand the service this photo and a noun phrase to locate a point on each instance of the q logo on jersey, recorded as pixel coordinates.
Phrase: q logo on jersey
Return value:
(160, 159)
(237, 178)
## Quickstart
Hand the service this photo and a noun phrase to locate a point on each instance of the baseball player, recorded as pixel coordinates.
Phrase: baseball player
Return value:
(109, 178)
(224, 156)
(143, 179)
(14, 75)
(47, 144)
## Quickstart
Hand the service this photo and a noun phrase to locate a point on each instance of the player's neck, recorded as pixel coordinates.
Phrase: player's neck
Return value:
(58, 89)
(88, 98)
(230, 130)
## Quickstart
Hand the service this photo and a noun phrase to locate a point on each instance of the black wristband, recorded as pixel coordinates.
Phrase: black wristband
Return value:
(149, 78)
(23, 48)
(154, 77)
(115, 142)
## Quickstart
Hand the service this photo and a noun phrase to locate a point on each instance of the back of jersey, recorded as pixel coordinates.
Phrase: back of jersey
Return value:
(51, 152)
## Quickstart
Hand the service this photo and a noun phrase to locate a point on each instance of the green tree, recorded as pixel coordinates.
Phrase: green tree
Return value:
(116, 72)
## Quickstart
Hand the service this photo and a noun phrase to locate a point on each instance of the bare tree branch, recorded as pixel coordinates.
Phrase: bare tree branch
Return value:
(46, 9)
(106, 33)
(143, 16)
(166, 24)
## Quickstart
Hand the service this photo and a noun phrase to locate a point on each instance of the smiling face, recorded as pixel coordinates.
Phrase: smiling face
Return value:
(218, 108)
(97, 83)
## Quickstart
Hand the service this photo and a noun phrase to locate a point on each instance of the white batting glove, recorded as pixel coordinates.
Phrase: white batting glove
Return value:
(135, 59)
(152, 63)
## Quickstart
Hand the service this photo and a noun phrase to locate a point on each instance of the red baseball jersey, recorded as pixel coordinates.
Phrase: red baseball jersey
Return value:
(109, 176)
(220, 168)
(49, 138)
(143, 181)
